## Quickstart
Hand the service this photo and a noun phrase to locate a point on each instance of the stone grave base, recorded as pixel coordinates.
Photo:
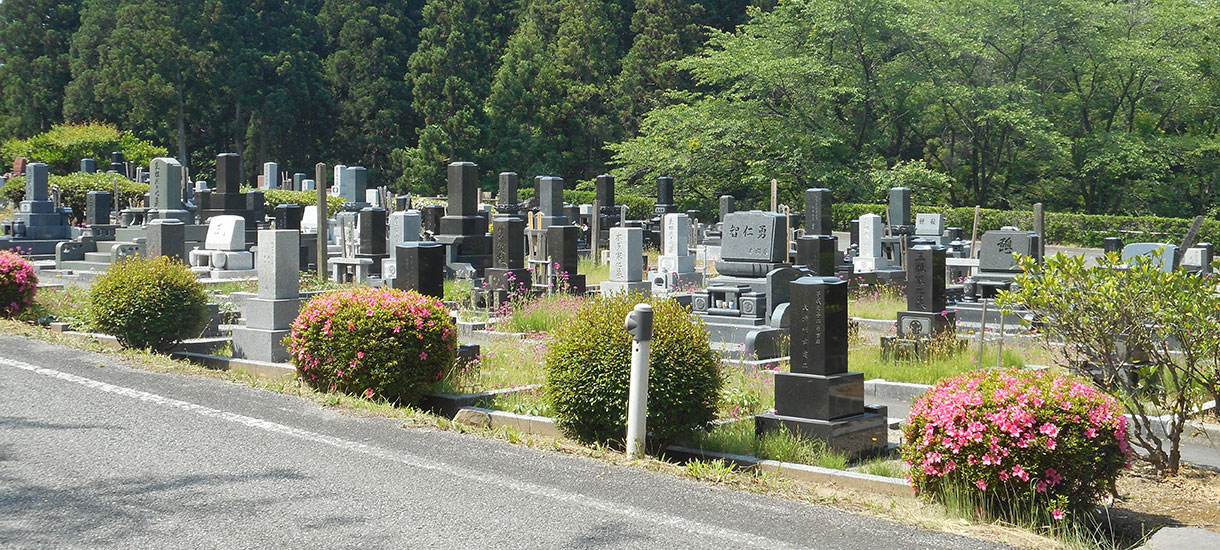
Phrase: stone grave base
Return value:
(39, 249)
(260, 345)
(665, 283)
(970, 315)
(609, 288)
(756, 338)
(856, 436)
(212, 273)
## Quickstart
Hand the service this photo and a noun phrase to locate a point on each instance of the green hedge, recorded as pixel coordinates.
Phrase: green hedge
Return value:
(64, 145)
(276, 197)
(1061, 228)
(74, 187)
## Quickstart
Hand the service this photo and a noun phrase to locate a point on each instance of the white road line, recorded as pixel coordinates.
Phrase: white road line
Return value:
(631, 512)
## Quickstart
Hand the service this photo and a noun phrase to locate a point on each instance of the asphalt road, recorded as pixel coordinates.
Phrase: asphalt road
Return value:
(94, 454)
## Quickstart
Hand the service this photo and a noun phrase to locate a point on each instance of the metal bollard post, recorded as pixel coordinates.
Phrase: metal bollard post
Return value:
(639, 324)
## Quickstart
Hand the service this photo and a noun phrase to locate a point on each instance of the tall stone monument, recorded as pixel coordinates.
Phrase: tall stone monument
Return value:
(626, 262)
(463, 231)
(269, 316)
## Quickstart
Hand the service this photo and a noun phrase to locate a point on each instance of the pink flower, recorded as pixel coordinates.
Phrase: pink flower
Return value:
(360, 355)
(1049, 429)
(1057, 514)
(1020, 473)
(423, 356)
(981, 484)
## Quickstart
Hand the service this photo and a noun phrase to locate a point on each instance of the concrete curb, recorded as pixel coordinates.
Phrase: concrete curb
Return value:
(257, 368)
(902, 391)
(541, 425)
(451, 404)
(194, 345)
(842, 479)
(488, 418)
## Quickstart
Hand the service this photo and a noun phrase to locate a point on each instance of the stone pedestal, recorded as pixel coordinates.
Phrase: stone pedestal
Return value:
(420, 266)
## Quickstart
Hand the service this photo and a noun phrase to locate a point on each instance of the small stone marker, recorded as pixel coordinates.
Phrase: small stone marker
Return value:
(405, 227)
(166, 237)
(271, 175)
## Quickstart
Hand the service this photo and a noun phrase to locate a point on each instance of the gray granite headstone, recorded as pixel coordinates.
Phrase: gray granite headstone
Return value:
(97, 207)
(549, 191)
(88, 166)
(405, 227)
(754, 236)
(507, 200)
(1162, 255)
(728, 205)
(998, 249)
(626, 254)
(278, 264)
(271, 175)
(929, 225)
(166, 237)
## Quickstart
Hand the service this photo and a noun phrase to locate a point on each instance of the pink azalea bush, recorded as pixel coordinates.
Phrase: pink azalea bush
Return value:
(17, 284)
(374, 342)
(1017, 437)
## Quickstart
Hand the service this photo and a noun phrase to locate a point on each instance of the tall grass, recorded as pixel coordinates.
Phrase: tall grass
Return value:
(503, 364)
(876, 301)
(537, 314)
(739, 438)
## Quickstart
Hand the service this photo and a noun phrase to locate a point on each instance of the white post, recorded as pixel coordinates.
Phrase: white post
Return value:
(639, 324)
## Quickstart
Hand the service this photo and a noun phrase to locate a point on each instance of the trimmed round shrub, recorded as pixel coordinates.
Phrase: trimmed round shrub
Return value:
(18, 283)
(588, 369)
(1017, 439)
(148, 303)
(375, 342)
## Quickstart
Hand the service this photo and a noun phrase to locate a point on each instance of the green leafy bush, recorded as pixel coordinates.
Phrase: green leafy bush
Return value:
(18, 283)
(373, 342)
(148, 303)
(1017, 438)
(74, 188)
(276, 197)
(588, 367)
(64, 145)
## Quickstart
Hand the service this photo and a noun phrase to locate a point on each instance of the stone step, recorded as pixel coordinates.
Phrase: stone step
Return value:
(97, 257)
(78, 265)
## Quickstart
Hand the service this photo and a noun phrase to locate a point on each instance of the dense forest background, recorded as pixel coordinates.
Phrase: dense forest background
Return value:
(1084, 105)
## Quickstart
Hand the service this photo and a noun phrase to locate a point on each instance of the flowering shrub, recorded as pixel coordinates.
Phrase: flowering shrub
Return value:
(588, 367)
(17, 284)
(1017, 437)
(373, 342)
(148, 303)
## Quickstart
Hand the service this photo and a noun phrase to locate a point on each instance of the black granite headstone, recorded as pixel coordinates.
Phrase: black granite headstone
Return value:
(372, 223)
(432, 218)
(818, 212)
(508, 242)
(88, 166)
(97, 207)
(900, 206)
(288, 216)
(854, 232)
(604, 185)
(818, 253)
(228, 174)
(926, 279)
(561, 247)
(1112, 244)
(818, 307)
(507, 201)
(420, 266)
(118, 163)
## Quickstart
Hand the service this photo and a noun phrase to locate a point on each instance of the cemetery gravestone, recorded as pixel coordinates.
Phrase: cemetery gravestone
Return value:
(626, 262)
(270, 314)
(819, 398)
(420, 267)
(818, 212)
